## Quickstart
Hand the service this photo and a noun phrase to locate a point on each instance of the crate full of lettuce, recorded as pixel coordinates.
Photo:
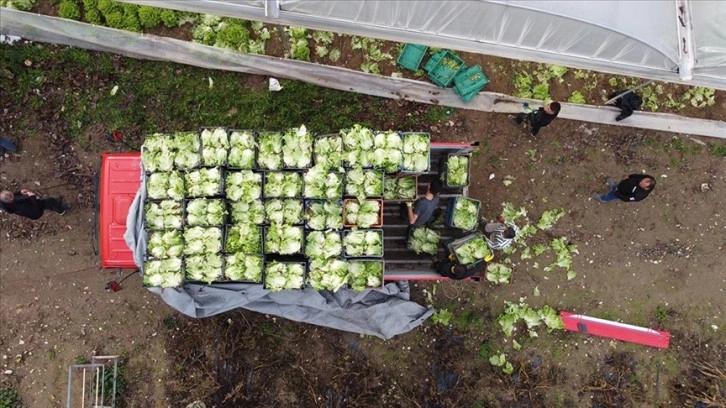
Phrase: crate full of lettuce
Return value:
(424, 240)
(463, 213)
(471, 249)
(365, 273)
(456, 173)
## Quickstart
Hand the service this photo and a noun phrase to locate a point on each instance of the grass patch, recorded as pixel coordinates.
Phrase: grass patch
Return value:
(77, 85)
(718, 150)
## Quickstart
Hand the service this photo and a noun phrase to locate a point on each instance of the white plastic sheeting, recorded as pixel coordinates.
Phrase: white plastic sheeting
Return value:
(627, 37)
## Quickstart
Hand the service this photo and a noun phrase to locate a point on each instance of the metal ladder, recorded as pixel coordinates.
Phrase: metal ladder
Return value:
(92, 385)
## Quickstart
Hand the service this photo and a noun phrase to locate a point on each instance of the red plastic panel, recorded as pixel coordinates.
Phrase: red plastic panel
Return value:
(615, 330)
(120, 180)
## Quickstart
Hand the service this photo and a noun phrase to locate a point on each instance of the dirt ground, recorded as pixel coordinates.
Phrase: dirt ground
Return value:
(658, 263)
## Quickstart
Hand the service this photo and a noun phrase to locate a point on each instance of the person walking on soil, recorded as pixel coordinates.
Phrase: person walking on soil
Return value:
(539, 118)
(499, 235)
(633, 188)
(26, 203)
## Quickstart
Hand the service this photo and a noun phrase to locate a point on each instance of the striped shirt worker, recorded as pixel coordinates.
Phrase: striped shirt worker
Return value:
(500, 235)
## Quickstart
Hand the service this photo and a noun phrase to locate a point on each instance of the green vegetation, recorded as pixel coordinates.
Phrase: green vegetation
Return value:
(9, 398)
(22, 5)
(718, 150)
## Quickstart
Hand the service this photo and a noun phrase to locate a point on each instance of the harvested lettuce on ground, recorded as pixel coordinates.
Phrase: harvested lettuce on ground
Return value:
(203, 182)
(416, 152)
(324, 215)
(243, 185)
(165, 244)
(363, 243)
(363, 214)
(328, 274)
(281, 276)
(205, 212)
(165, 214)
(215, 144)
(365, 274)
(165, 185)
(424, 240)
(241, 150)
(243, 267)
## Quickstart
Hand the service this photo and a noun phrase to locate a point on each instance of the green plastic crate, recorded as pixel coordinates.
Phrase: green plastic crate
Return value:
(431, 63)
(468, 96)
(471, 80)
(411, 56)
(446, 68)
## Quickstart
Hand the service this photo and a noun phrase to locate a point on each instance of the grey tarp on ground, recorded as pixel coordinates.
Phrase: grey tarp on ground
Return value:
(382, 313)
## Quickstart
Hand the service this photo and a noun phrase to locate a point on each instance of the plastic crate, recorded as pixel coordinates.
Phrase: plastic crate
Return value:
(254, 160)
(147, 176)
(454, 245)
(349, 232)
(299, 221)
(380, 171)
(411, 56)
(341, 187)
(226, 240)
(262, 276)
(304, 277)
(433, 61)
(443, 169)
(142, 270)
(188, 280)
(410, 234)
(396, 178)
(231, 220)
(428, 160)
(306, 212)
(471, 80)
(229, 172)
(302, 241)
(450, 213)
(201, 145)
(182, 214)
(380, 214)
(186, 213)
(376, 260)
(263, 134)
(339, 232)
(446, 68)
(327, 136)
(220, 191)
(267, 174)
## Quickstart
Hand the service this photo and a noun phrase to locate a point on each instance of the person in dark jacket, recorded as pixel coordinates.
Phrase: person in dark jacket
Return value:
(633, 188)
(26, 203)
(539, 118)
(627, 103)
(453, 270)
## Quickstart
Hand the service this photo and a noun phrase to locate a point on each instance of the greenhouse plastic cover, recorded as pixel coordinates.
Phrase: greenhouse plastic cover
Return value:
(676, 41)
(383, 313)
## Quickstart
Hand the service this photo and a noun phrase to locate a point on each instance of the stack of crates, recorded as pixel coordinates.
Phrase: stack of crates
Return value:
(470, 82)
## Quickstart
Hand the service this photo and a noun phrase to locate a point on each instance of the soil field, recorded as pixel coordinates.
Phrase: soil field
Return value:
(657, 263)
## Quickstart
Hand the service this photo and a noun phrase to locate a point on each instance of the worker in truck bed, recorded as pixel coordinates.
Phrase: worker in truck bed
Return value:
(422, 211)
